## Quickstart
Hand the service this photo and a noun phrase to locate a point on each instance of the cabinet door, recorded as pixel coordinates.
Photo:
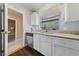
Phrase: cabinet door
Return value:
(73, 52)
(65, 51)
(72, 12)
(36, 41)
(65, 47)
(60, 50)
(45, 45)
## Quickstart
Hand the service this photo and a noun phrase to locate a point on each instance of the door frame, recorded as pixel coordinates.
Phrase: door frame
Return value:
(2, 28)
(15, 27)
(6, 25)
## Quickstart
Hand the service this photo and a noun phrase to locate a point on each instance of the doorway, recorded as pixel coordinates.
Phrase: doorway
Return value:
(15, 31)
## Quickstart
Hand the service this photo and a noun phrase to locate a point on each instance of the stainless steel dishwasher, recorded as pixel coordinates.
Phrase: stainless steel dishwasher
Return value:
(29, 39)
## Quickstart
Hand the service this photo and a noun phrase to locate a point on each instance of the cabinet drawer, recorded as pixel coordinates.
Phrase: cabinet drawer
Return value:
(74, 44)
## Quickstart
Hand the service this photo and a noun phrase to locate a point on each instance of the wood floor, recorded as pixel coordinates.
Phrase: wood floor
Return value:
(26, 51)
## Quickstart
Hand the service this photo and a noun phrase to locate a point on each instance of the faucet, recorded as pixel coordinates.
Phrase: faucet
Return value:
(45, 28)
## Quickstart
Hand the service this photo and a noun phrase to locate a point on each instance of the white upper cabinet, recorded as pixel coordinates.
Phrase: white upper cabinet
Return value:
(69, 17)
(69, 12)
(72, 11)
(35, 18)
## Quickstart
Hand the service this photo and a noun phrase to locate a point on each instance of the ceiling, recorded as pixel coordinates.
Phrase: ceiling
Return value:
(33, 6)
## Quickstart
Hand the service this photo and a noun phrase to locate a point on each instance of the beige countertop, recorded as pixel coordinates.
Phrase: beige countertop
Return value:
(64, 34)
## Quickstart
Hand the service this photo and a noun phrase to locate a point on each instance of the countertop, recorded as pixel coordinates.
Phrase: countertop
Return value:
(64, 34)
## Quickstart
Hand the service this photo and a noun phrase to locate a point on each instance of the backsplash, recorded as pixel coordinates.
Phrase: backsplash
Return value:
(72, 26)
(51, 25)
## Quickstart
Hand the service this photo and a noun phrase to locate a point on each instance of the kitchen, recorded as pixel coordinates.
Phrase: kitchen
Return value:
(49, 29)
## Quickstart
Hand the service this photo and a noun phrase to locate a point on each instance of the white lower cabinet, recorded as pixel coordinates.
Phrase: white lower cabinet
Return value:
(45, 45)
(60, 50)
(36, 38)
(72, 52)
(55, 46)
(65, 47)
